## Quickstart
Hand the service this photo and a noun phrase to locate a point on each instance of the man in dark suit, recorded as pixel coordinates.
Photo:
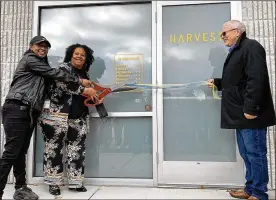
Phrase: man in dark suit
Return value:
(247, 105)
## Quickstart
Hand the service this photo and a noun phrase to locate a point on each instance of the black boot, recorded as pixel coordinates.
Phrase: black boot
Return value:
(54, 190)
(81, 189)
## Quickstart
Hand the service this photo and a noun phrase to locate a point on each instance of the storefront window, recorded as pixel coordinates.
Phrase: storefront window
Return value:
(120, 35)
(192, 52)
(119, 148)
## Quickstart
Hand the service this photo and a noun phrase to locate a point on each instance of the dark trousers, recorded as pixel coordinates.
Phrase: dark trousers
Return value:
(18, 131)
(253, 150)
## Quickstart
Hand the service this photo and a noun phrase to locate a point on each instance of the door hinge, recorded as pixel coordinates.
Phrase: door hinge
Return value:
(157, 157)
(155, 17)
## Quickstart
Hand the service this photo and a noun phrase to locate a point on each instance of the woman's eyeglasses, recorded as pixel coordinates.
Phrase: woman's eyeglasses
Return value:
(224, 32)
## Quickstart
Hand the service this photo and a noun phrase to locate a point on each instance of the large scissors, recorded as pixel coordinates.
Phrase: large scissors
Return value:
(104, 91)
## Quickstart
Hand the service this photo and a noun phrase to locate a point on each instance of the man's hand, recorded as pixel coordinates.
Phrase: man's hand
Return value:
(247, 116)
(85, 82)
(91, 92)
(210, 83)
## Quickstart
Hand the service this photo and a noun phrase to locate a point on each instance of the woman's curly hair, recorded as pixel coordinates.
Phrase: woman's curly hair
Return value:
(89, 58)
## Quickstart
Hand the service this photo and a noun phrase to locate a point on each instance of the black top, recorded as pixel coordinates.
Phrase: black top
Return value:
(78, 109)
(245, 87)
(28, 84)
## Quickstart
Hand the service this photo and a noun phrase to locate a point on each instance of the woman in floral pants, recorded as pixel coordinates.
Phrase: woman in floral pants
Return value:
(64, 124)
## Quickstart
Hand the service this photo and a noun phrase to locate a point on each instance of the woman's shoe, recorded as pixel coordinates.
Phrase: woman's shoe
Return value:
(81, 189)
(54, 190)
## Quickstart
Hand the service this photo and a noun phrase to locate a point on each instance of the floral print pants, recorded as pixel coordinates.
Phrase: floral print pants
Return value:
(64, 148)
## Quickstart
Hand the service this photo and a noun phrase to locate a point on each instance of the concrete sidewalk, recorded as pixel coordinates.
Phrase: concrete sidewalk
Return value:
(106, 192)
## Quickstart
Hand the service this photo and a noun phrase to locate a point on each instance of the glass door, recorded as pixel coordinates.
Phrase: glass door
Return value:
(192, 149)
(119, 151)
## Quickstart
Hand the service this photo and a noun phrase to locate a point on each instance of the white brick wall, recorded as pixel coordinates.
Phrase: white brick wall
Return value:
(16, 31)
(259, 17)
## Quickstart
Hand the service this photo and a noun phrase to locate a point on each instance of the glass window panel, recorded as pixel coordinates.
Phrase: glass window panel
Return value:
(120, 36)
(119, 148)
(192, 52)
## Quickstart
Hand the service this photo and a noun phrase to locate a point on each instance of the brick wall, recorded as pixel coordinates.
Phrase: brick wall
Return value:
(16, 31)
(259, 18)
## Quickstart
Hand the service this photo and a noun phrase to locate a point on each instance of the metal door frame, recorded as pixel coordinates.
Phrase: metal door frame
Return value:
(236, 13)
(104, 181)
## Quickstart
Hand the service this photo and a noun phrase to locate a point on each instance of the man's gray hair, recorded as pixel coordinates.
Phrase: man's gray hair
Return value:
(237, 24)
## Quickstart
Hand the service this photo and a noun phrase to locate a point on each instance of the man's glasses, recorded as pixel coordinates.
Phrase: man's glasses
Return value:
(223, 34)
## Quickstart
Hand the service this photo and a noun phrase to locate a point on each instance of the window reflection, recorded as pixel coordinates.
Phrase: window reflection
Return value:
(193, 53)
(109, 30)
(120, 148)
